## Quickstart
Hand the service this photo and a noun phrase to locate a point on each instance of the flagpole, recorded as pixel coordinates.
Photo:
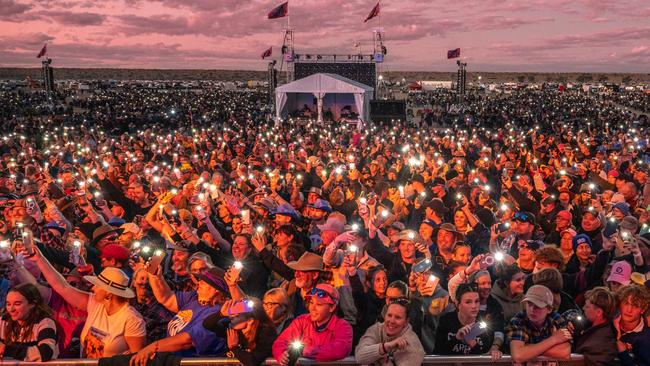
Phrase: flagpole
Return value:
(288, 16)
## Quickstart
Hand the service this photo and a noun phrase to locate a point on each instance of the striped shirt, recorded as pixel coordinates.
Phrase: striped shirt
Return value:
(39, 345)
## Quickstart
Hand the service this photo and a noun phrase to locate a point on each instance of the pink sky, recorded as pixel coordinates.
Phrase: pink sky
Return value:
(494, 35)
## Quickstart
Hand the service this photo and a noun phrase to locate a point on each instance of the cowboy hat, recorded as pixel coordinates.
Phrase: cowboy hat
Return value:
(102, 232)
(307, 262)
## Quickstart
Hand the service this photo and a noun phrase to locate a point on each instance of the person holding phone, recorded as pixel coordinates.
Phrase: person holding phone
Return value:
(247, 329)
(464, 332)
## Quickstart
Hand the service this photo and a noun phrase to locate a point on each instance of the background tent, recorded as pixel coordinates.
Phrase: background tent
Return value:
(334, 91)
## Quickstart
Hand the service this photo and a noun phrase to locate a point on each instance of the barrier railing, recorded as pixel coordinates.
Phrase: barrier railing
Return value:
(575, 360)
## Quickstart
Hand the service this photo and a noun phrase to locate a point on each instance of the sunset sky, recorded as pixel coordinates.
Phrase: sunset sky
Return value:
(522, 35)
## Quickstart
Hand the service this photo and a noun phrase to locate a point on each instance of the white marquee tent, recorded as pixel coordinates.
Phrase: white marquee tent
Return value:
(322, 86)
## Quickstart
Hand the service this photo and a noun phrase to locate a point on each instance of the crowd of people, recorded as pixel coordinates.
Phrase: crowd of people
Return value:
(160, 225)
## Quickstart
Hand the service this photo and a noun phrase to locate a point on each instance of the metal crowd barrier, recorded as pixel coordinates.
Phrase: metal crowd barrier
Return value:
(575, 360)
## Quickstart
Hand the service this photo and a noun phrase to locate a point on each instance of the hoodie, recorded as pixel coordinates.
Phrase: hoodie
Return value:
(510, 305)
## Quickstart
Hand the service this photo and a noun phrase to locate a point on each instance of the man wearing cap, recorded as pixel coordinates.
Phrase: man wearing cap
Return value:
(322, 336)
(563, 221)
(398, 264)
(538, 330)
(435, 211)
(523, 229)
(114, 255)
(316, 213)
(591, 224)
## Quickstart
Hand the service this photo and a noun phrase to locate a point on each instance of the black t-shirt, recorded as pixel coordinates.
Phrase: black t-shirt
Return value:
(448, 344)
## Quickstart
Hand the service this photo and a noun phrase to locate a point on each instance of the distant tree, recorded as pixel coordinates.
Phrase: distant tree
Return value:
(531, 78)
(562, 78)
(521, 78)
(627, 79)
(603, 78)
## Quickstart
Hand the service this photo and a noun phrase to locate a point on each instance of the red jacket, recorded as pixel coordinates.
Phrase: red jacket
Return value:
(331, 344)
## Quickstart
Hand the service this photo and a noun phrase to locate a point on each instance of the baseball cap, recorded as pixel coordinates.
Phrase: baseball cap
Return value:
(565, 214)
(570, 231)
(115, 251)
(539, 295)
(621, 272)
(324, 293)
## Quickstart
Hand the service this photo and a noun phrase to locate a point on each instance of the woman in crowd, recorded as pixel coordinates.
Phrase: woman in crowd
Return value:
(27, 330)
(113, 327)
(248, 331)
(463, 332)
(508, 290)
(391, 342)
(277, 306)
(371, 302)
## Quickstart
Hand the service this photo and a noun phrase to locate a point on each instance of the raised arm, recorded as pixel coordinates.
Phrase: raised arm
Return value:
(70, 294)
(22, 275)
(164, 295)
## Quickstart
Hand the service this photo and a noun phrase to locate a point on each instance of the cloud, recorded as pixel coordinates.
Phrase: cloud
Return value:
(11, 9)
(75, 18)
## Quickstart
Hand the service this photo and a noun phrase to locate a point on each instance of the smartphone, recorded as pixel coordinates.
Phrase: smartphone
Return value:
(422, 266)
(30, 205)
(477, 329)
(246, 217)
(76, 252)
(154, 262)
(505, 226)
(432, 281)
(487, 261)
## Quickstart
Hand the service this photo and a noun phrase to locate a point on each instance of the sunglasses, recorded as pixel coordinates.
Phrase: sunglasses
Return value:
(321, 294)
(400, 301)
(521, 217)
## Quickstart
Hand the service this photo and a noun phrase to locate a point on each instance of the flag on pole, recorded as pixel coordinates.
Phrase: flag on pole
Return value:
(267, 53)
(280, 11)
(453, 53)
(373, 13)
(43, 51)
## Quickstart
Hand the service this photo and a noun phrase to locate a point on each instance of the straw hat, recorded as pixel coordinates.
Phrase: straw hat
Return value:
(112, 280)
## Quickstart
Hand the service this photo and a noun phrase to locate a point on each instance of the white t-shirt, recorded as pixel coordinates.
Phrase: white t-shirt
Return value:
(103, 335)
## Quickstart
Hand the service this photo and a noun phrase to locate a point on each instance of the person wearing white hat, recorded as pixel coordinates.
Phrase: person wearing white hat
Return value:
(113, 327)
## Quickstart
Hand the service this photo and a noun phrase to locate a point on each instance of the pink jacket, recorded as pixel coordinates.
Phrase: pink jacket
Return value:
(331, 344)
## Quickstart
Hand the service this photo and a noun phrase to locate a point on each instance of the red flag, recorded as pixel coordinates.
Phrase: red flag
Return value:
(267, 53)
(280, 11)
(453, 53)
(373, 13)
(43, 51)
